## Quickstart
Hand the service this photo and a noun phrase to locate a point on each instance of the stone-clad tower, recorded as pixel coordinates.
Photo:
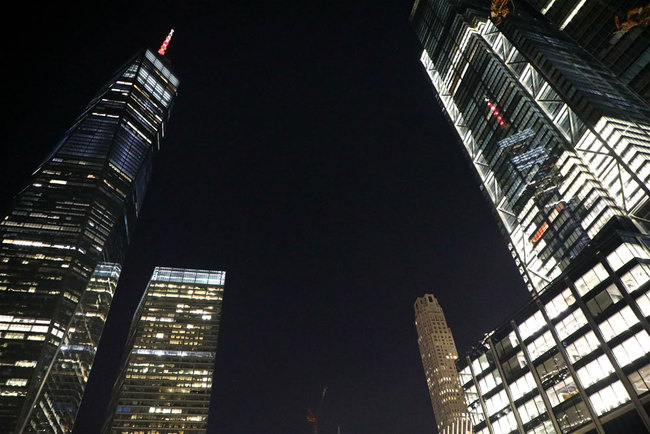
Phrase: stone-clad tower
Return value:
(439, 355)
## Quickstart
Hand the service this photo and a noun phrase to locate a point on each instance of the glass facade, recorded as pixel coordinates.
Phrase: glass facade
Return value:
(623, 48)
(166, 376)
(573, 358)
(62, 241)
(560, 143)
(439, 355)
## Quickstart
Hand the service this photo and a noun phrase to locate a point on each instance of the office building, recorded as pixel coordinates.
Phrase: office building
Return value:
(613, 31)
(560, 144)
(439, 355)
(63, 239)
(166, 375)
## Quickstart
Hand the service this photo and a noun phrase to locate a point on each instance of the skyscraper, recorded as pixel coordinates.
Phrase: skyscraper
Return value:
(613, 31)
(438, 352)
(166, 376)
(560, 143)
(63, 240)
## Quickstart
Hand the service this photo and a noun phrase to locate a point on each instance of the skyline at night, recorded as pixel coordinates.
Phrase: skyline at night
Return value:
(307, 158)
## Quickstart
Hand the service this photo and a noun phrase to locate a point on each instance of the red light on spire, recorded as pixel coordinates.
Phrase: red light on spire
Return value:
(164, 45)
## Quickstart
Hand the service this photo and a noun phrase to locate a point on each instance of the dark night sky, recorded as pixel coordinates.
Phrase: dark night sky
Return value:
(306, 156)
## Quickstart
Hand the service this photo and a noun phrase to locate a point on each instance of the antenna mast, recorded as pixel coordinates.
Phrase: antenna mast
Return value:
(164, 45)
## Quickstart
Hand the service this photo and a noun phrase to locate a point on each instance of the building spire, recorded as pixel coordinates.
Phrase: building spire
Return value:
(165, 43)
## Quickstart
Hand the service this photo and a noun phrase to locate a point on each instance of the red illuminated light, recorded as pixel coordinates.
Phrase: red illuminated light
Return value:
(164, 45)
(495, 112)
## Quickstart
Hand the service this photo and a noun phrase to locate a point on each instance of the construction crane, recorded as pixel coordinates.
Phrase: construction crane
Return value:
(498, 10)
(312, 417)
(635, 17)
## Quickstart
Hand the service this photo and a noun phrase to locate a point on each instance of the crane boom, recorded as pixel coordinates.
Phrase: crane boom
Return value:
(312, 417)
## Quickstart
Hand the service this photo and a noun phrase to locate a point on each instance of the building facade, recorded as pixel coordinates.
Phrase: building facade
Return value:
(63, 239)
(613, 31)
(166, 377)
(439, 355)
(559, 141)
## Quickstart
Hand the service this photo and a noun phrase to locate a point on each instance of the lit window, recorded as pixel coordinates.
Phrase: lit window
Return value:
(496, 402)
(590, 279)
(17, 382)
(522, 386)
(625, 253)
(570, 324)
(531, 409)
(560, 303)
(582, 346)
(595, 371)
(636, 277)
(644, 304)
(531, 325)
(609, 398)
(632, 348)
(618, 323)
(561, 391)
(541, 345)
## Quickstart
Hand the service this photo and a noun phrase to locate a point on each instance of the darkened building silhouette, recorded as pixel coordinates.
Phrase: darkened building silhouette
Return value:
(63, 239)
(561, 145)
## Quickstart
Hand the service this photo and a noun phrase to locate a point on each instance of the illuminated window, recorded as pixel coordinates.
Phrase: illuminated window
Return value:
(496, 402)
(541, 345)
(618, 323)
(531, 325)
(636, 277)
(590, 279)
(17, 382)
(531, 409)
(560, 303)
(561, 391)
(595, 371)
(609, 398)
(625, 253)
(632, 349)
(644, 303)
(582, 346)
(522, 386)
(570, 324)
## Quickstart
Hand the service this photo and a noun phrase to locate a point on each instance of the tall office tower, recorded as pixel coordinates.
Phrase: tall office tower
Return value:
(438, 352)
(166, 376)
(613, 31)
(560, 144)
(62, 241)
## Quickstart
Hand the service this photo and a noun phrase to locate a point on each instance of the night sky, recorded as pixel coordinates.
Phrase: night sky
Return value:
(306, 156)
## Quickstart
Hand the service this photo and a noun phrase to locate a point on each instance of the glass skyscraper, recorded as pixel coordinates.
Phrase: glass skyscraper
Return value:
(62, 241)
(603, 29)
(439, 355)
(166, 376)
(561, 144)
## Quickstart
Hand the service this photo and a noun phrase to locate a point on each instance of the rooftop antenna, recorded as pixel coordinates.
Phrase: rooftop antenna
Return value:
(164, 45)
